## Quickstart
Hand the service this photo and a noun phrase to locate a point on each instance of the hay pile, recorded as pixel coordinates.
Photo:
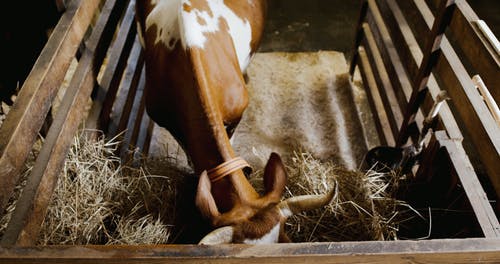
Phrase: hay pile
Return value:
(363, 207)
(99, 200)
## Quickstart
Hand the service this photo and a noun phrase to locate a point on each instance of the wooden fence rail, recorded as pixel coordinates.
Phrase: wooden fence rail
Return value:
(402, 76)
(118, 100)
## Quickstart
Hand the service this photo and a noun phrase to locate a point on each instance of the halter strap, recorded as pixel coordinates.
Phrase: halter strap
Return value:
(226, 168)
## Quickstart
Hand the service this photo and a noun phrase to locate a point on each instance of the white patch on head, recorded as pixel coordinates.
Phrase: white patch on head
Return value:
(165, 17)
(193, 32)
(269, 238)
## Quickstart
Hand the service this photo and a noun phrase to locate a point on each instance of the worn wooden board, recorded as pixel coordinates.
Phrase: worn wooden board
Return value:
(431, 52)
(32, 204)
(127, 91)
(390, 102)
(476, 47)
(412, 11)
(432, 251)
(474, 113)
(395, 38)
(381, 119)
(102, 102)
(21, 127)
(469, 181)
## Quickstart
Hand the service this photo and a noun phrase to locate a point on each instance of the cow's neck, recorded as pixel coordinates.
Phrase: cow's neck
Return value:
(210, 144)
(233, 188)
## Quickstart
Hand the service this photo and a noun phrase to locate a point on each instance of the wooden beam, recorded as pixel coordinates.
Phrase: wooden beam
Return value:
(359, 36)
(477, 49)
(129, 142)
(380, 116)
(144, 137)
(99, 114)
(431, 54)
(444, 251)
(417, 10)
(469, 105)
(472, 187)
(482, 128)
(21, 126)
(386, 38)
(390, 102)
(126, 93)
(397, 28)
(32, 204)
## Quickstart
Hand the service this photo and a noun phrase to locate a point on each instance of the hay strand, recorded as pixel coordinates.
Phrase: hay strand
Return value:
(98, 200)
(363, 207)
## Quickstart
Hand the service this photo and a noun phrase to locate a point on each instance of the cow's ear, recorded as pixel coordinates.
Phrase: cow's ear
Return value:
(204, 200)
(274, 178)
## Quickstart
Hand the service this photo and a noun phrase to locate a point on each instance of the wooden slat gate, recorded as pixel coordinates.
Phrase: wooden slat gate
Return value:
(405, 60)
(401, 76)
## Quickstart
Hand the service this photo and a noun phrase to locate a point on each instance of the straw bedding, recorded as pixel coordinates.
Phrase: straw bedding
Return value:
(363, 207)
(100, 200)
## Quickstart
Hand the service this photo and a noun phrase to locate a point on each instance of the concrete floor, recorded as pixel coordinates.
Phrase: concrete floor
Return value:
(312, 25)
(298, 25)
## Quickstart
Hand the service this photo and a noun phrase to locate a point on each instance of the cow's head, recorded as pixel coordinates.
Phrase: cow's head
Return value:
(256, 220)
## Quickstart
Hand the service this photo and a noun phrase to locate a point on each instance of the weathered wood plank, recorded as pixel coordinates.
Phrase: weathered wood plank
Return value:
(405, 43)
(488, 99)
(399, 31)
(386, 91)
(144, 137)
(26, 117)
(32, 204)
(487, 152)
(129, 142)
(417, 10)
(483, 130)
(431, 53)
(128, 87)
(386, 38)
(380, 116)
(472, 187)
(117, 61)
(138, 120)
(359, 36)
(399, 78)
(393, 27)
(430, 251)
(475, 47)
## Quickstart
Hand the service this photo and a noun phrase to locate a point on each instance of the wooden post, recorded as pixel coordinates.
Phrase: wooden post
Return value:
(99, 114)
(359, 36)
(431, 54)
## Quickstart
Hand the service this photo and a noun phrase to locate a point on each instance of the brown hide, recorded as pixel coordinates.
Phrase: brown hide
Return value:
(196, 93)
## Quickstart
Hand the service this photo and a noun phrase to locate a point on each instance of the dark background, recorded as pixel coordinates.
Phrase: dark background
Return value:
(292, 25)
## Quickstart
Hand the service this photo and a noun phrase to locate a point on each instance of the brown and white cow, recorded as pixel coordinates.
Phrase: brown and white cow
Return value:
(195, 53)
